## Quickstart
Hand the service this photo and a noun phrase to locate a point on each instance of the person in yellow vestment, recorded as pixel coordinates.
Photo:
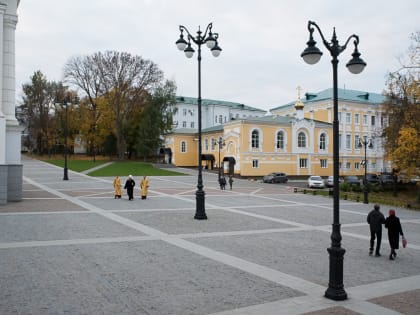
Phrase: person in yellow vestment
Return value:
(117, 187)
(144, 187)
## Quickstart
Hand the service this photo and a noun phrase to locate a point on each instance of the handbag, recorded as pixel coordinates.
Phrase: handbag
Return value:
(404, 242)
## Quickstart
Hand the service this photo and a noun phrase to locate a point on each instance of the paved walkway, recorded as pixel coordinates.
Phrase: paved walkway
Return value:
(70, 247)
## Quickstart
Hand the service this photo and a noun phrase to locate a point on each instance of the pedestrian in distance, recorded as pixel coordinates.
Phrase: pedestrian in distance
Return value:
(129, 185)
(144, 187)
(222, 183)
(230, 181)
(375, 219)
(392, 223)
(117, 187)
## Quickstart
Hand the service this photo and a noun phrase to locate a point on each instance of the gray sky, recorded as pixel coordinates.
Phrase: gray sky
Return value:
(260, 64)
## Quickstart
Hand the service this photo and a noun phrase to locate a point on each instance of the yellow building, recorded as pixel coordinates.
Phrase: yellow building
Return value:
(295, 139)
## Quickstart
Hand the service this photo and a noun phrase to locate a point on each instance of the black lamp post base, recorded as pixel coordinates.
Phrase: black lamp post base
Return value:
(66, 176)
(335, 289)
(365, 196)
(200, 212)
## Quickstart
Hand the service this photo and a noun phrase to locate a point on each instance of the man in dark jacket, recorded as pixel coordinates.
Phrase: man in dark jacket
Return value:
(129, 185)
(375, 219)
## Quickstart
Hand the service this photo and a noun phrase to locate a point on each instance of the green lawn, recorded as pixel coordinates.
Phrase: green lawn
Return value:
(134, 168)
(75, 165)
(117, 168)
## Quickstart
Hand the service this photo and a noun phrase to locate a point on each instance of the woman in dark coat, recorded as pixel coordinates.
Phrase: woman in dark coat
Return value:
(392, 223)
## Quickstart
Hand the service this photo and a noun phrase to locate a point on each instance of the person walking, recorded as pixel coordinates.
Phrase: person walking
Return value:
(392, 223)
(230, 181)
(144, 187)
(129, 185)
(117, 187)
(375, 219)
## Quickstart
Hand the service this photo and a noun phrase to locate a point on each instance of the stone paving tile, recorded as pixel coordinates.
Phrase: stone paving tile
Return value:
(407, 303)
(177, 222)
(304, 254)
(337, 310)
(40, 205)
(60, 226)
(148, 277)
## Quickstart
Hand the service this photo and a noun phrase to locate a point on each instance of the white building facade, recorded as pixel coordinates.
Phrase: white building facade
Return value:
(10, 131)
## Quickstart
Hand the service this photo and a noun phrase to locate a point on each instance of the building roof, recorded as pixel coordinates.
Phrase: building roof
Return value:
(343, 95)
(277, 120)
(208, 102)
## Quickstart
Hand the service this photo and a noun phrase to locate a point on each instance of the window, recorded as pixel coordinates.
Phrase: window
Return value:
(192, 124)
(356, 119)
(255, 139)
(348, 165)
(339, 141)
(206, 144)
(183, 146)
(220, 119)
(348, 118)
(324, 163)
(303, 163)
(280, 140)
(365, 119)
(184, 124)
(357, 165)
(215, 119)
(372, 120)
(348, 142)
(322, 141)
(254, 163)
(213, 144)
(339, 116)
(184, 112)
(301, 140)
(356, 142)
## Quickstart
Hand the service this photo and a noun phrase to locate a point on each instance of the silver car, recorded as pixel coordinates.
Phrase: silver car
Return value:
(315, 182)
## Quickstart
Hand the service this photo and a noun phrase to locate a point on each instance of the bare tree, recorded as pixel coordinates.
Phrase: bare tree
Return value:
(124, 81)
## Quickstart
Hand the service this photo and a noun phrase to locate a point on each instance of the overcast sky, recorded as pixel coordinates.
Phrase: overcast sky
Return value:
(260, 64)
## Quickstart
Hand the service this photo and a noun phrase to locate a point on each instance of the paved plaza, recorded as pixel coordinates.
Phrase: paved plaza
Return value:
(70, 248)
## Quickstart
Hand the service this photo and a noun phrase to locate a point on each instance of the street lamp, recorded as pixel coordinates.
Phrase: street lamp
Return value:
(66, 176)
(221, 144)
(367, 144)
(312, 55)
(210, 39)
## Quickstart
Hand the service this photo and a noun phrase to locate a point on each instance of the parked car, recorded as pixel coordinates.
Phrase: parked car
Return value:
(275, 178)
(386, 179)
(352, 180)
(315, 182)
(372, 178)
(404, 179)
(330, 181)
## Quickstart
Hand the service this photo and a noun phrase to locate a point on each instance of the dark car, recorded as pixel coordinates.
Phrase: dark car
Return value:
(352, 180)
(372, 178)
(386, 179)
(275, 178)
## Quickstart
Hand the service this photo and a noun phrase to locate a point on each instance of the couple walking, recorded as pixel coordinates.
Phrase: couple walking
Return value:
(375, 219)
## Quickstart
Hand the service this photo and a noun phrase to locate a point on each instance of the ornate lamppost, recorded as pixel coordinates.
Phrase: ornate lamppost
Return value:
(66, 104)
(312, 55)
(367, 144)
(210, 39)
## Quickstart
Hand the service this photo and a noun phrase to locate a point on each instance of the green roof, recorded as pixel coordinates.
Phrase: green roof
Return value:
(207, 102)
(343, 95)
(278, 120)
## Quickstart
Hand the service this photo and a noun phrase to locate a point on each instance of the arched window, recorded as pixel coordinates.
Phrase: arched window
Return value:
(301, 140)
(206, 144)
(280, 140)
(255, 139)
(183, 147)
(322, 141)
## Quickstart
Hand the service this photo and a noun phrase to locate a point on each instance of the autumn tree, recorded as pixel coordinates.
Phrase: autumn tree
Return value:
(37, 112)
(403, 111)
(125, 82)
(84, 73)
